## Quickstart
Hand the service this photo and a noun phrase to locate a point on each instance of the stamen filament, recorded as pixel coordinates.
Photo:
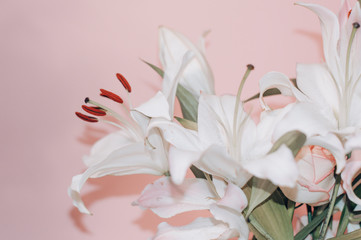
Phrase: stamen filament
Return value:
(116, 115)
(352, 37)
(211, 184)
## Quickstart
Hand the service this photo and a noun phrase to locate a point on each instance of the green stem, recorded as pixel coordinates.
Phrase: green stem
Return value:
(309, 213)
(344, 220)
(330, 208)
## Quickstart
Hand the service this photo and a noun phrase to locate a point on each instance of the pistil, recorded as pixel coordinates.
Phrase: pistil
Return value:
(346, 96)
(250, 67)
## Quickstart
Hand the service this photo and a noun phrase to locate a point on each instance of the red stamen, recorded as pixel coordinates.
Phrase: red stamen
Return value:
(110, 95)
(97, 111)
(124, 82)
(86, 118)
(349, 13)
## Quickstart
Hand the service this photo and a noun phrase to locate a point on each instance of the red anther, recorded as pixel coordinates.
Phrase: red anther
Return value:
(110, 95)
(86, 118)
(124, 82)
(94, 110)
(349, 13)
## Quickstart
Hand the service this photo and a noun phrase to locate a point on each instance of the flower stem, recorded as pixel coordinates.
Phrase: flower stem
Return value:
(330, 208)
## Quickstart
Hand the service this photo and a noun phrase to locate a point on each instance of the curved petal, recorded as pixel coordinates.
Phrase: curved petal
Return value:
(167, 199)
(330, 35)
(316, 82)
(197, 76)
(157, 106)
(313, 122)
(234, 220)
(351, 171)
(282, 83)
(353, 143)
(216, 161)
(279, 167)
(132, 159)
(234, 198)
(179, 163)
(200, 229)
(102, 148)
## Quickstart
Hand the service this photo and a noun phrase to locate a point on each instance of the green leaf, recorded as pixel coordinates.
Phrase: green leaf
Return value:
(188, 102)
(261, 190)
(294, 140)
(197, 172)
(155, 68)
(355, 235)
(311, 226)
(344, 220)
(272, 219)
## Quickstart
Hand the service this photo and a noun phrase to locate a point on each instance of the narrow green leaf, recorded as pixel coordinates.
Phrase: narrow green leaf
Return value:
(291, 208)
(189, 103)
(187, 123)
(261, 190)
(311, 226)
(155, 68)
(294, 140)
(355, 235)
(344, 220)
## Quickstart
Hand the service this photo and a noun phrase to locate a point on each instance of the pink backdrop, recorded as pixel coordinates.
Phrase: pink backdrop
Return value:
(55, 53)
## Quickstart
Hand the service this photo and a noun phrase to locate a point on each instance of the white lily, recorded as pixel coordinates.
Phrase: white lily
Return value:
(225, 201)
(329, 94)
(136, 148)
(197, 76)
(230, 147)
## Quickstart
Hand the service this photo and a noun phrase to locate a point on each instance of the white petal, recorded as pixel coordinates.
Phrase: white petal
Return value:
(166, 199)
(157, 106)
(313, 123)
(197, 76)
(234, 198)
(102, 148)
(179, 163)
(177, 135)
(234, 220)
(353, 143)
(216, 161)
(200, 229)
(352, 169)
(279, 167)
(282, 83)
(132, 159)
(316, 82)
(330, 35)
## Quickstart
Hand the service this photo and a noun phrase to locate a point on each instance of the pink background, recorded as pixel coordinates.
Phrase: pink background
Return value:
(55, 53)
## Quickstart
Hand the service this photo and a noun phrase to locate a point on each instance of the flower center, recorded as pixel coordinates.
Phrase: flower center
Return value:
(100, 110)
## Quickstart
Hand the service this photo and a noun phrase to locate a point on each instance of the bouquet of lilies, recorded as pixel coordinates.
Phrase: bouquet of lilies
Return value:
(251, 177)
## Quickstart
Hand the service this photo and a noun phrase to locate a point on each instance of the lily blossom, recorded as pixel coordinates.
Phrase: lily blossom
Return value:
(225, 201)
(230, 147)
(328, 94)
(197, 76)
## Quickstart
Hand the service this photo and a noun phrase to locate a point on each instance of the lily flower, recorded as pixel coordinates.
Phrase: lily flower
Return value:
(225, 201)
(131, 150)
(228, 144)
(136, 148)
(328, 94)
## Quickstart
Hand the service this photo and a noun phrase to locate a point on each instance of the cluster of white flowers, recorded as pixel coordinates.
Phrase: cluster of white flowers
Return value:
(301, 153)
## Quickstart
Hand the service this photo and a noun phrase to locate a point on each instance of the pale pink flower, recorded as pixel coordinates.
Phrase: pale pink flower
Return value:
(316, 176)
